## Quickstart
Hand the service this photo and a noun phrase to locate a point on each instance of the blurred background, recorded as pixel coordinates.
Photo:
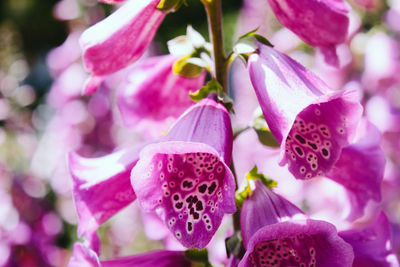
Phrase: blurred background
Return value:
(43, 115)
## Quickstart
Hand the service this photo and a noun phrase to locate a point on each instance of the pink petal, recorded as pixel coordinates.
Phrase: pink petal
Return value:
(121, 38)
(101, 186)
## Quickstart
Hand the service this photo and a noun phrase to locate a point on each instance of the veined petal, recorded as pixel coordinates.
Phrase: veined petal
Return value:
(298, 243)
(311, 122)
(188, 185)
(206, 122)
(372, 244)
(121, 38)
(152, 92)
(321, 23)
(262, 208)
(101, 186)
(360, 169)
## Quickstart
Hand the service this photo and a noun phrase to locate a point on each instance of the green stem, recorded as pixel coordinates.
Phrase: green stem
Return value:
(214, 14)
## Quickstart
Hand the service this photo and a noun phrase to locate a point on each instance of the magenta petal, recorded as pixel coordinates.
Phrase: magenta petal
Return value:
(298, 243)
(153, 93)
(206, 122)
(101, 186)
(321, 23)
(360, 169)
(161, 258)
(262, 208)
(312, 122)
(121, 38)
(372, 244)
(188, 186)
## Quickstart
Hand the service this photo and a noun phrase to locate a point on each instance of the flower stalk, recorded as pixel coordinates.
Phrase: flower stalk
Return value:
(214, 15)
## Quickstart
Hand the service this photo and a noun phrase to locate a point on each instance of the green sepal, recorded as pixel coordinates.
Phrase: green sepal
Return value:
(211, 86)
(186, 69)
(263, 132)
(199, 258)
(255, 175)
(234, 246)
(249, 42)
(263, 40)
(170, 5)
(242, 195)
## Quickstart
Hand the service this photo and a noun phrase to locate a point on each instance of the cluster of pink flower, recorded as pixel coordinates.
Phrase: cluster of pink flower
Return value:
(177, 158)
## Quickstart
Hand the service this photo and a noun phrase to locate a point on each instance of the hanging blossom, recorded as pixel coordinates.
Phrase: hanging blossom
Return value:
(185, 178)
(372, 244)
(85, 257)
(311, 122)
(152, 96)
(360, 169)
(277, 233)
(320, 23)
(119, 39)
(101, 187)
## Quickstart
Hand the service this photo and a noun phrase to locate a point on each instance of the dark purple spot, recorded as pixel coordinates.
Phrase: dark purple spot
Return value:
(202, 188)
(199, 206)
(176, 197)
(212, 188)
(190, 226)
(312, 145)
(299, 151)
(300, 138)
(189, 199)
(179, 205)
(196, 216)
(324, 152)
(195, 199)
(187, 184)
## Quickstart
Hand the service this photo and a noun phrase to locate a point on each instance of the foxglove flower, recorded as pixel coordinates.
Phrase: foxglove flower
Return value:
(153, 95)
(101, 186)
(85, 257)
(119, 39)
(360, 169)
(322, 24)
(185, 178)
(277, 233)
(372, 244)
(311, 122)
(319, 23)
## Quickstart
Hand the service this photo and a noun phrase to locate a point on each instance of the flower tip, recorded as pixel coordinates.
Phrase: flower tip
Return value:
(92, 84)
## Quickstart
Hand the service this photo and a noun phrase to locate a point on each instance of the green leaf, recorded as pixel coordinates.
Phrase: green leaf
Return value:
(198, 257)
(234, 245)
(254, 175)
(185, 68)
(264, 134)
(170, 5)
